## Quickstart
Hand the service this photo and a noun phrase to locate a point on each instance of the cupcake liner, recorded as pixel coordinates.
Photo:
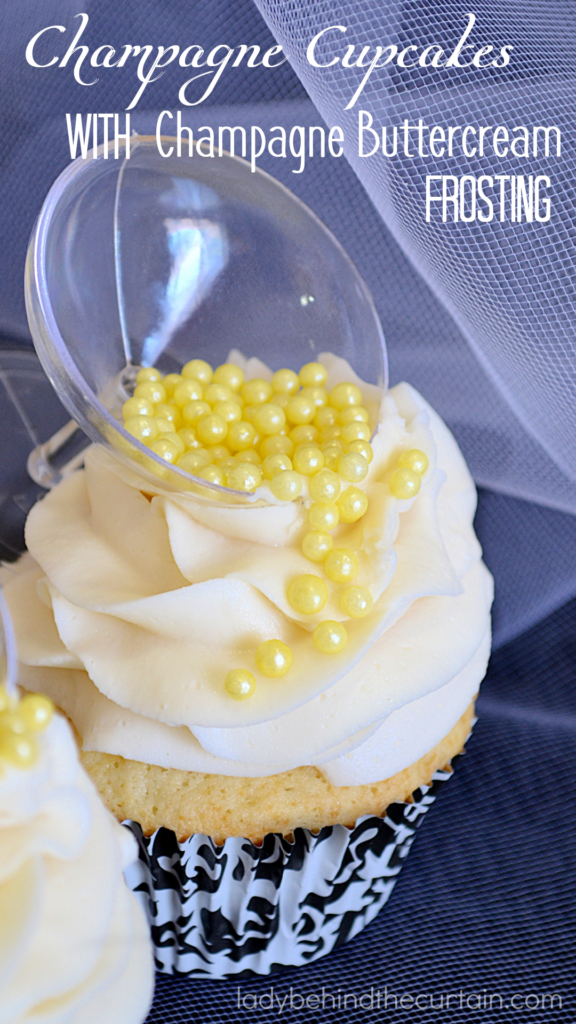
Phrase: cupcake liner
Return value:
(221, 911)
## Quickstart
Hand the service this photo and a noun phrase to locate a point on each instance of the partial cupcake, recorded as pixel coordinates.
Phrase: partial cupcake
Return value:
(75, 945)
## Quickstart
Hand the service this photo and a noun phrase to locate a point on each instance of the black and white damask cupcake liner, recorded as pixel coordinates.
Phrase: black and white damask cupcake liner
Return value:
(221, 911)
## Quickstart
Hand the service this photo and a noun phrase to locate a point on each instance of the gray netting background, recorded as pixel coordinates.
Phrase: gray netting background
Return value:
(509, 287)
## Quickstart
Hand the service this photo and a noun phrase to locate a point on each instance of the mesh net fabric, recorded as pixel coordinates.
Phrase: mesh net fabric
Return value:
(509, 372)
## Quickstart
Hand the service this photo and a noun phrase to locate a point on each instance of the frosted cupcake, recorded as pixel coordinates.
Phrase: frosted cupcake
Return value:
(268, 691)
(75, 942)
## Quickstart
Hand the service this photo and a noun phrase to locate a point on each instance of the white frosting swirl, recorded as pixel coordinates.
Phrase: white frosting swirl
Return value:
(146, 602)
(74, 944)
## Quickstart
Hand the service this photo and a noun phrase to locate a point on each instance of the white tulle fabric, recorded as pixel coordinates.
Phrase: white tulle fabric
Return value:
(507, 378)
(148, 601)
(74, 943)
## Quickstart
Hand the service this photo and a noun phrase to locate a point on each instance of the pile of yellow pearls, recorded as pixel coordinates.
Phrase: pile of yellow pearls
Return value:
(405, 481)
(235, 433)
(20, 722)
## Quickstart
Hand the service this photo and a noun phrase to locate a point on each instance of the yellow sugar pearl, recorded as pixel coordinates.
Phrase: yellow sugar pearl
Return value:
(325, 486)
(213, 474)
(188, 435)
(281, 398)
(345, 394)
(36, 711)
(214, 393)
(316, 545)
(353, 467)
(166, 450)
(300, 410)
(356, 602)
(191, 462)
(244, 477)
(306, 433)
(329, 637)
(352, 414)
(228, 463)
(352, 504)
(187, 391)
(355, 432)
(163, 425)
(217, 452)
(332, 434)
(211, 429)
(241, 435)
(332, 456)
(167, 411)
(143, 428)
(229, 374)
(317, 395)
(269, 419)
(285, 382)
(152, 390)
(251, 455)
(308, 459)
(240, 684)
(13, 723)
(307, 594)
(313, 374)
(286, 485)
(19, 751)
(273, 658)
(197, 369)
(404, 483)
(276, 463)
(229, 411)
(170, 382)
(249, 413)
(137, 407)
(414, 459)
(363, 448)
(324, 515)
(148, 373)
(325, 418)
(194, 411)
(341, 565)
(256, 391)
(175, 439)
(276, 443)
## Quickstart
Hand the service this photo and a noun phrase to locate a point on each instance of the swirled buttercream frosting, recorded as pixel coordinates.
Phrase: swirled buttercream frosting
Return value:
(133, 603)
(75, 946)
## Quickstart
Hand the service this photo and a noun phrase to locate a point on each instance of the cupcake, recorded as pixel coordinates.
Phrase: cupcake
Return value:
(76, 948)
(269, 693)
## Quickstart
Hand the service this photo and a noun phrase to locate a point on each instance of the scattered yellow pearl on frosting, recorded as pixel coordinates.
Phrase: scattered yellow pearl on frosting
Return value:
(275, 463)
(404, 483)
(308, 459)
(356, 602)
(313, 374)
(229, 374)
(285, 382)
(240, 683)
(329, 637)
(352, 504)
(414, 459)
(324, 515)
(273, 658)
(307, 594)
(316, 545)
(345, 394)
(341, 565)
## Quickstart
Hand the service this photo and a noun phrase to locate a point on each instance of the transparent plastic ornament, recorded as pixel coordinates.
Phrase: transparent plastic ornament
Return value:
(152, 261)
